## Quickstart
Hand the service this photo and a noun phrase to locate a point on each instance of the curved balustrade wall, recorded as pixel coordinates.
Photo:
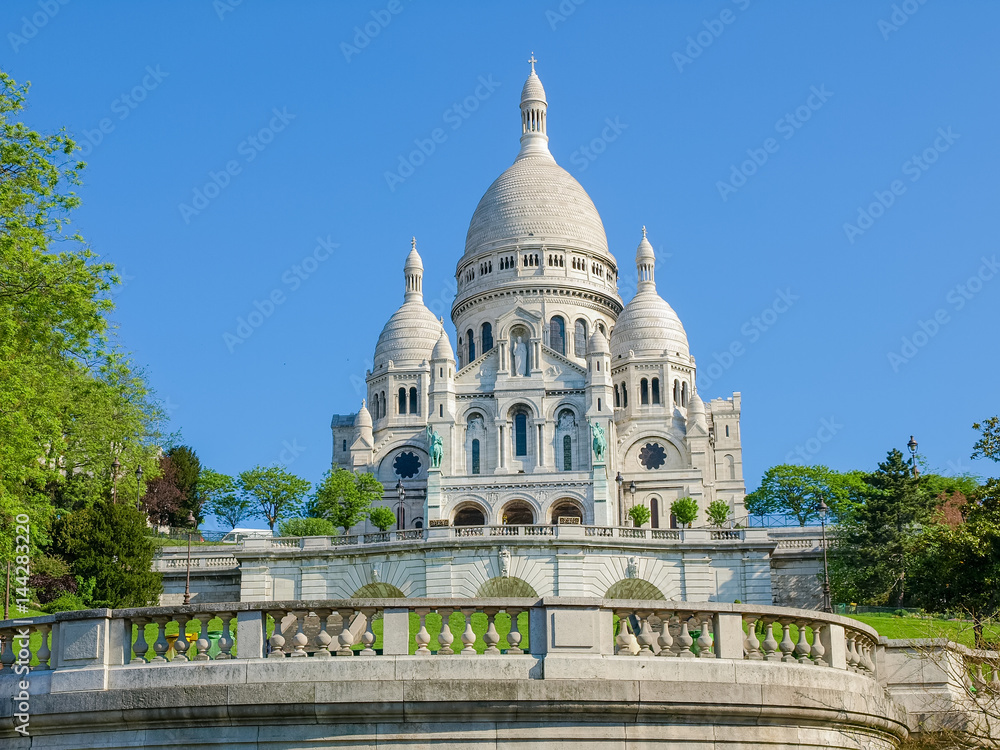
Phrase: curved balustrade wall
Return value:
(490, 672)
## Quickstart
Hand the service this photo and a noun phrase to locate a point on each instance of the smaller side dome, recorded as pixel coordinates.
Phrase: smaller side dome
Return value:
(597, 343)
(364, 417)
(442, 349)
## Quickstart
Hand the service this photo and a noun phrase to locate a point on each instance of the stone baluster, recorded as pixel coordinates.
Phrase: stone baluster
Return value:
(368, 637)
(771, 652)
(323, 637)
(203, 644)
(978, 680)
(44, 652)
(623, 642)
(468, 636)
(665, 641)
(995, 679)
(491, 637)
(705, 645)
(423, 637)
(141, 646)
(226, 637)
(802, 647)
(445, 637)
(277, 639)
(787, 646)
(7, 657)
(514, 636)
(346, 636)
(182, 644)
(865, 651)
(645, 638)
(751, 644)
(818, 651)
(684, 639)
(852, 652)
(300, 640)
(160, 645)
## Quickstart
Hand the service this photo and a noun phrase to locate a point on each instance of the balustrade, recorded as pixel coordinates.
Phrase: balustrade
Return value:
(27, 644)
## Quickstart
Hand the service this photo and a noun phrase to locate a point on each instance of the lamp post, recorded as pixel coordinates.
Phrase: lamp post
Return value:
(115, 466)
(621, 514)
(631, 491)
(827, 604)
(187, 583)
(401, 494)
(138, 487)
(912, 445)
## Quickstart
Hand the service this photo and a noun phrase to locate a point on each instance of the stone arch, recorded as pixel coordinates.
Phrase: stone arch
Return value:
(506, 587)
(380, 590)
(566, 506)
(634, 588)
(519, 512)
(464, 514)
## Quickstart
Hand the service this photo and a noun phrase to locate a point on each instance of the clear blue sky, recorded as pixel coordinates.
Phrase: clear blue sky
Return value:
(887, 93)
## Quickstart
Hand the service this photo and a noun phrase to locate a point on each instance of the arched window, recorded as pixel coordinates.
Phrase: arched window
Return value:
(402, 401)
(382, 407)
(624, 396)
(580, 338)
(566, 509)
(730, 466)
(644, 392)
(517, 513)
(656, 390)
(413, 401)
(600, 327)
(345, 447)
(521, 434)
(677, 393)
(684, 394)
(475, 456)
(472, 345)
(654, 512)
(567, 453)
(487, 337)
(469, 516)
(618, 400)
(727, 430)
(557, 334)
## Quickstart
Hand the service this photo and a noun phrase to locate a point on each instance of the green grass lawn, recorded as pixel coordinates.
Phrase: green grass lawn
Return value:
(920, 627)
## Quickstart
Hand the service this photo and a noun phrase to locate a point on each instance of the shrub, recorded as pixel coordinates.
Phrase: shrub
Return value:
(50, 578)
(307, 527)
(65, 603)
(685, 510)
(639, 514)
(382, 518)
(718, 513)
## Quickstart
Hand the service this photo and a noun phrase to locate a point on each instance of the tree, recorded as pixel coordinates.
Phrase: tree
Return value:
(307, 527)
(685, 510)
(277, 492)
(639, 514)
(718, 513)
(345, 498)
(164, 499)
(988, 445)
(107, 543)
(188, 468)
(381, 517)
(796, 490)
(880, 538)
(222, 499)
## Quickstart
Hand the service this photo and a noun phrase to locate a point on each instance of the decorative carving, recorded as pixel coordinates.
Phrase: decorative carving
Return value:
(376, 572)
(632, 570)
(600, 440)
(520, 354)
(504, 556)
(435, 523)
(652, 456)
(435, 446)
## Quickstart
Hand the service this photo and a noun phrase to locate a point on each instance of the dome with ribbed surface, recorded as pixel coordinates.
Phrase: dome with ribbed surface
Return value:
(411, 333)
(533, 90)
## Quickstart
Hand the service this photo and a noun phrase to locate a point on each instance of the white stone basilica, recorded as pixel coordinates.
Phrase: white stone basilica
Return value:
(563, 402)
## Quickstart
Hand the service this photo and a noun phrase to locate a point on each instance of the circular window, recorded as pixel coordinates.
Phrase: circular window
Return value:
(406, 465)
(652, 456)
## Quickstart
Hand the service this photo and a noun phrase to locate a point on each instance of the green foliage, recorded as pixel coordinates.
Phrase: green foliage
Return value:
(988, 445)
(65, 603)
(222, 499)
(718, 513)
(639, 514)
(797, 490)
(345, 498)
(685, 510)
(274, 490)
(188, 468)
(307, 527)
(107, 542)
(381, 517)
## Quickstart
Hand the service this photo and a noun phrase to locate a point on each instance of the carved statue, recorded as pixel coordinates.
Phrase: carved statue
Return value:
(376, 573)
(600, 440)
(435, 446)
(504, 562)
(520, 352)
(632, 571)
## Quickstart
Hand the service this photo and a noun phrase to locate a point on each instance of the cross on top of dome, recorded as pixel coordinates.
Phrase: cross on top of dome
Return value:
(532, 60)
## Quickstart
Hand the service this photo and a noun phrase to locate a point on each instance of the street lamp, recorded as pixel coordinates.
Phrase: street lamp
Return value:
(631, 490)
(187, 584)
(115, 466)
(621, 515)
(827, 604)
(912, 445)
(401, 494)
(138, 486)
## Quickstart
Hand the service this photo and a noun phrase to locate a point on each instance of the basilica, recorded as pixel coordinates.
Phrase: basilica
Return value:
(560, 404)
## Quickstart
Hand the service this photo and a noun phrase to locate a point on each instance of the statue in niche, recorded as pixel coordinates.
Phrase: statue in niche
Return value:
(520, 353)
(376, 573)
(504, 562)
(600, 440)
(435, 446)
(632, 570)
